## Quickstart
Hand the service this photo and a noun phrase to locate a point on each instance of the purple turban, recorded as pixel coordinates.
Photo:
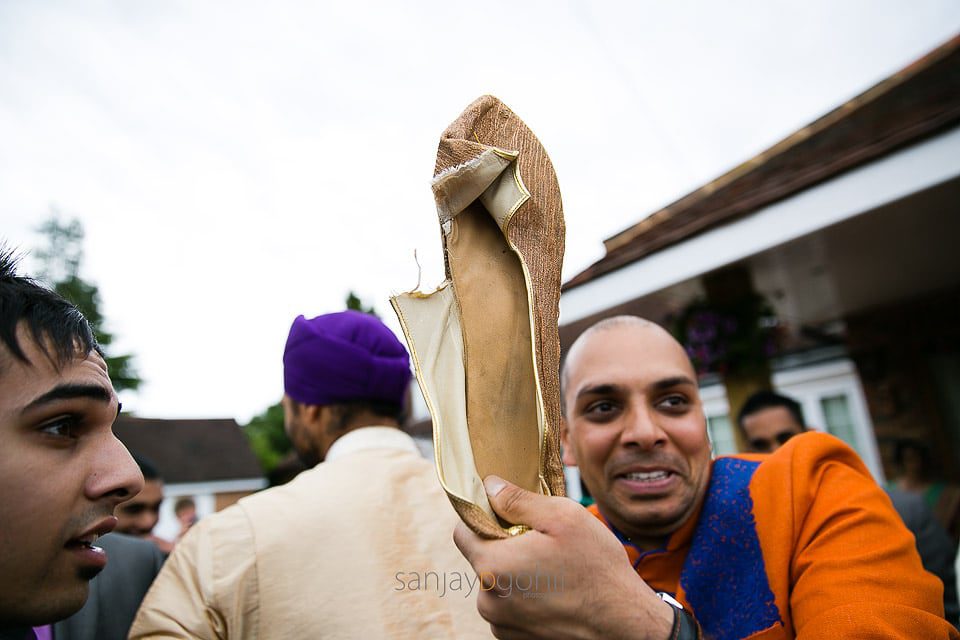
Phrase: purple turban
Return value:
(344, 357)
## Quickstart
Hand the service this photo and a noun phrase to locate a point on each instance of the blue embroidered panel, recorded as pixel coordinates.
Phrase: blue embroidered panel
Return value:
(724, 576)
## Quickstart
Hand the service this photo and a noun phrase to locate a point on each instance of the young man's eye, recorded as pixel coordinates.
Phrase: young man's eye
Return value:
(134, 509)
(62, 427)
(674, 402)
(600, 408)
(783, 437)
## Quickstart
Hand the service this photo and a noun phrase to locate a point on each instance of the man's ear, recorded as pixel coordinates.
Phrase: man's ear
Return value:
(313, 414)
(569, 457)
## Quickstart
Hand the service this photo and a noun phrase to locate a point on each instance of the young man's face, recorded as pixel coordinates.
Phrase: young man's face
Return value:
(139, 515)
(62, 472)
(769, 429)
(187, 516)
(636, 430)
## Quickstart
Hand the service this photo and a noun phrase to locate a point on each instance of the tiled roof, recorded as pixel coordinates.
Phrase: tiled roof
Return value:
(919, 101)
(191, 450)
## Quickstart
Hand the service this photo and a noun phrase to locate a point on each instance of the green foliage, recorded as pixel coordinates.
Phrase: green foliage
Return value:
(62, 256)
(354, 302)
(60, 262)
(267, 437)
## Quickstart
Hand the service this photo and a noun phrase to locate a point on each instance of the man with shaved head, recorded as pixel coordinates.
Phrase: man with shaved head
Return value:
(798, 544)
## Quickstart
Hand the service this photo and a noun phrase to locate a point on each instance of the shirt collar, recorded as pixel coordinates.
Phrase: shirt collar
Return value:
(371, 438)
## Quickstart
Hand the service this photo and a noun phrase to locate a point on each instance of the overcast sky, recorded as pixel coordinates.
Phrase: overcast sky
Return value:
(236, 164)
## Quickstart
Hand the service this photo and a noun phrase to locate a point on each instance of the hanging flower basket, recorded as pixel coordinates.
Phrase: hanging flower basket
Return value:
(728, 339)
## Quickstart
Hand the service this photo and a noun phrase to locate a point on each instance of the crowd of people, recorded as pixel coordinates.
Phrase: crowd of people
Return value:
(798, 541)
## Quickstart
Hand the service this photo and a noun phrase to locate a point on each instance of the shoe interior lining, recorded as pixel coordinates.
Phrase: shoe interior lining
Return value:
(471, 340)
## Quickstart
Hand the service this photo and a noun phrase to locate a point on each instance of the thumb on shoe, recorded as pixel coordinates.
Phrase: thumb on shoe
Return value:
(517, 505)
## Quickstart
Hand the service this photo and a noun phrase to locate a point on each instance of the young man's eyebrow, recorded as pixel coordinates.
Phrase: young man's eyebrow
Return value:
(598, 390)
(674, 381)
(69, 391)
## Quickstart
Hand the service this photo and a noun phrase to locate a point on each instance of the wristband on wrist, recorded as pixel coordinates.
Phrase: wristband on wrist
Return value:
(685, 627)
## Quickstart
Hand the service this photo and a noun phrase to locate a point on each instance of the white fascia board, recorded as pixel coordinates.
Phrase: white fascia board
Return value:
(875, 184)
(218, 486)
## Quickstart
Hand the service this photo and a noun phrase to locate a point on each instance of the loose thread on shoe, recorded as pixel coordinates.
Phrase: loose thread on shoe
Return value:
(419, 270)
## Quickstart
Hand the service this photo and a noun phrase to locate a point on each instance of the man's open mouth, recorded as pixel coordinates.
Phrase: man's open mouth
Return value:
(87, 540)
(84, 542)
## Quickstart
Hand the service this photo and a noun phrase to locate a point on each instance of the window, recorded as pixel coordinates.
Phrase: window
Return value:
(722, 440)
(837, 419)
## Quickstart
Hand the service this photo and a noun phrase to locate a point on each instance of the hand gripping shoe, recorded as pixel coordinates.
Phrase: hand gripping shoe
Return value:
(485, 345)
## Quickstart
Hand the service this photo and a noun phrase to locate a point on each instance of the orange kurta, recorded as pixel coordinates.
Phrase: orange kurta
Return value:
(798, 544)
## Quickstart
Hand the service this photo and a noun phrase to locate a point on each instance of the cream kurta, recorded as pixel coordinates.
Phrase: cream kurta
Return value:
(345, 550)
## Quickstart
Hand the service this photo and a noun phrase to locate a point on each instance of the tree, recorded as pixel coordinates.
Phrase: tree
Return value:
(355, 303)
(267, 437)
(60, 262)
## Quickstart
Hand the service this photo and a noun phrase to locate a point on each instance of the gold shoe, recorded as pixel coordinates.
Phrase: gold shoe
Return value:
(485, 344)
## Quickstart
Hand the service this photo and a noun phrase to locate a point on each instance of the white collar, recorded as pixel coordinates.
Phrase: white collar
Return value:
(371, 438)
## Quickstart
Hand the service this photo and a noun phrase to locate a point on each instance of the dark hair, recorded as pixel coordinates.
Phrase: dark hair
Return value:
(769, 400)
(184, 503)
(906, 444)
(149, 471)
(345, 412)
(52, 321)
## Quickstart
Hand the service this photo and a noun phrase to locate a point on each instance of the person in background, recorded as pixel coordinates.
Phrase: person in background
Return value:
(62, 470)
(768, 419)
(340, 550)
(185, 509)
(913, 460)
(139, 515)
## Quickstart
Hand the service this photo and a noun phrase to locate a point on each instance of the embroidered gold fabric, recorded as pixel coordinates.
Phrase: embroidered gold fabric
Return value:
(485, 344)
